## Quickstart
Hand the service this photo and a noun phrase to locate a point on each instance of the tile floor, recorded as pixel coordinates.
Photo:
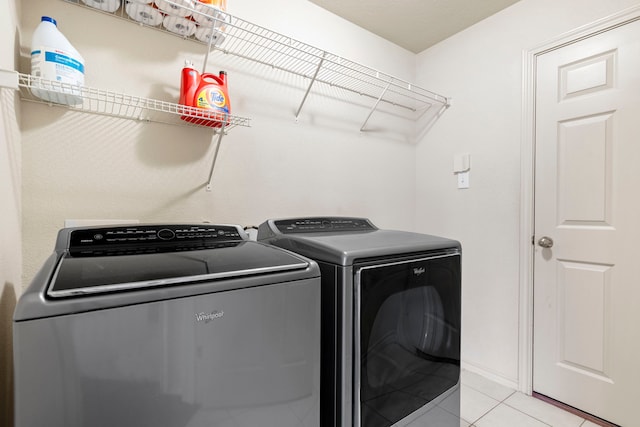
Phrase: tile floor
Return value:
(485, 403)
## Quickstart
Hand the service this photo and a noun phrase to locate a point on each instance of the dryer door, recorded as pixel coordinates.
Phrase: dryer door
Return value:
(406, 338)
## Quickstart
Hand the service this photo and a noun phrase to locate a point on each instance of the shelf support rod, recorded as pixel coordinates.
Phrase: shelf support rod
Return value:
(215, 154)
(375, 106)
(209, 44)
(313, 79)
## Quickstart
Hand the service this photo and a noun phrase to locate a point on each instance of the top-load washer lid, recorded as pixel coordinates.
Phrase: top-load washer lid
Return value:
(115, 259)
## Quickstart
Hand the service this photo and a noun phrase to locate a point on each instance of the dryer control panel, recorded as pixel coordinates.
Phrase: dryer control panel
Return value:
(323, 224)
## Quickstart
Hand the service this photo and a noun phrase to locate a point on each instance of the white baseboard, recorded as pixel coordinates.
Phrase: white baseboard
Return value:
(493, 376)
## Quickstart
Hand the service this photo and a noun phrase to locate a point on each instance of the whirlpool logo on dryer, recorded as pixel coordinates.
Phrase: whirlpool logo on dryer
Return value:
(209, 317)
(419, 271)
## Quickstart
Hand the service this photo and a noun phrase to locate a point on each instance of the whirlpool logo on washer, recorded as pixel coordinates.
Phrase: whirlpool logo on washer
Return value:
(209, 317)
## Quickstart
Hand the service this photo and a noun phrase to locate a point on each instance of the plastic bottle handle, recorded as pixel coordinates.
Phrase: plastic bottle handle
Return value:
(209, 76)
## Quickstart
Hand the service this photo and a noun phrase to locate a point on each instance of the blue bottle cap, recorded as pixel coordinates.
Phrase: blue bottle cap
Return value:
(49, 19)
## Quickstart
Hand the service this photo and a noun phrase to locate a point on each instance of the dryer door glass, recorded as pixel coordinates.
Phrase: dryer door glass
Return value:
(408, 317)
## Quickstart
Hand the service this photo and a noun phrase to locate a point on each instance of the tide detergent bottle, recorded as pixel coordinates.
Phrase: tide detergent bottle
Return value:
(206, 92)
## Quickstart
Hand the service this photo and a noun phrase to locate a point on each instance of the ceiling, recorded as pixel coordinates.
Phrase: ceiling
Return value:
(414, 24)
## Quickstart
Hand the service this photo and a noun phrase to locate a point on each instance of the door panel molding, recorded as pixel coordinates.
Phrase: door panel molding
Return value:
(527, 170)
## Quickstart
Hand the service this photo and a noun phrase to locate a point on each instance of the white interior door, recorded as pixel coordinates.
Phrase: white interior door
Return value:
(587, 211)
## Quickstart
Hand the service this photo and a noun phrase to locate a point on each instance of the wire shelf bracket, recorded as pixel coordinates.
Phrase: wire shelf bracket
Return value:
(215, 154)
(374, 107)
(313, 80)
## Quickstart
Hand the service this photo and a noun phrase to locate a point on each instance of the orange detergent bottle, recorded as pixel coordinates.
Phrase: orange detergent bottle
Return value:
(208, 94)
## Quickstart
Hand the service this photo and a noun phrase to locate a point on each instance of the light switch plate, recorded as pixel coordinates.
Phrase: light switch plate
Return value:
(463, 180)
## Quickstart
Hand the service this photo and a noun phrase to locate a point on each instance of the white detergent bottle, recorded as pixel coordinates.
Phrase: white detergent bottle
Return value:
(58, 63)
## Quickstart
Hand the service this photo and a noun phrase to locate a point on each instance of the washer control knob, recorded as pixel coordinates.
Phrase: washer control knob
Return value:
(166, 234)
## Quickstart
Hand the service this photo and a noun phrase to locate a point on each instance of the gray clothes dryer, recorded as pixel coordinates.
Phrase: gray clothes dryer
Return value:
(391, 305)
(168, 326)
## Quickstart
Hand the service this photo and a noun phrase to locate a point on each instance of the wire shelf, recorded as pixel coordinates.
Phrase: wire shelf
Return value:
(232, 35)
(114, 104)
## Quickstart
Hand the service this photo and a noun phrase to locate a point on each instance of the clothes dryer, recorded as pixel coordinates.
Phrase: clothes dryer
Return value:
(391, 316)
(168, 326)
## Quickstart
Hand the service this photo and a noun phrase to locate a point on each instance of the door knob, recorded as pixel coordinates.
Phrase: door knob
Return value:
(546, 242)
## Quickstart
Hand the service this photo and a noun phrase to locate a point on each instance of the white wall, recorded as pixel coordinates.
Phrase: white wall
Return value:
(481, 69)
(10, 200)
(86, 166)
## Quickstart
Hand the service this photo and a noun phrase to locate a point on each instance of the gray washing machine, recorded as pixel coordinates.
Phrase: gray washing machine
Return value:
(168, 326)
(391, 305)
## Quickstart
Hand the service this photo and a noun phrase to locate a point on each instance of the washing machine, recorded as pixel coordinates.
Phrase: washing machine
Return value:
(178, 325)
(391, 320)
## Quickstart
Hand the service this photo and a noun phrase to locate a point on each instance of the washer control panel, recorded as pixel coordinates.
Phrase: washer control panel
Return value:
(153, 234)
(323, 224)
